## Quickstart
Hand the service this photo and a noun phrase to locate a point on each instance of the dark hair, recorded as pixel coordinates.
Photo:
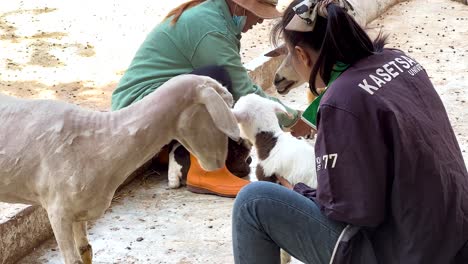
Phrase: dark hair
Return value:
(177, 12)
(336, 38)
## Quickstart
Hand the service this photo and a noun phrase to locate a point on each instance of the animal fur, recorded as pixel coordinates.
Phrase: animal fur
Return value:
(71, 160)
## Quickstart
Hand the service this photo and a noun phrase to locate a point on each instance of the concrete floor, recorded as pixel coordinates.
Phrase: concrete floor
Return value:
(76, 51)
(180, 227)
(176, 227)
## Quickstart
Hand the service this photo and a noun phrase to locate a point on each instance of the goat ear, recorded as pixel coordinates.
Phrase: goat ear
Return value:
(280, 109)
(220, 112)
(281, 50)
(240, 116)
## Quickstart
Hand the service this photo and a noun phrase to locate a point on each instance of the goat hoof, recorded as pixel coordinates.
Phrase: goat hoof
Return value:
(173, 185)
(87, 254)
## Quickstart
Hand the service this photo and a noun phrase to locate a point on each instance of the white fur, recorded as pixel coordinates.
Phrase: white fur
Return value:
(70, 160)
(174, 172)
(291, 158)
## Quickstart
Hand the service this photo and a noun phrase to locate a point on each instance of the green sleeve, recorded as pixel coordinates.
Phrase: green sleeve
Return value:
(216, 48)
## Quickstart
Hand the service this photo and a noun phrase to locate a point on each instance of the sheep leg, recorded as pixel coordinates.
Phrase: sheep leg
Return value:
(81, 239)
(63, 231)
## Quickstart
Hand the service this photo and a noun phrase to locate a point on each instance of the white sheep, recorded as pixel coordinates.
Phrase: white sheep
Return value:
(279, 153)
(70, 160)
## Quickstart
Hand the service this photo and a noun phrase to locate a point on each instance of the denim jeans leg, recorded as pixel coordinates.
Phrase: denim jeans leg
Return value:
(267, 217)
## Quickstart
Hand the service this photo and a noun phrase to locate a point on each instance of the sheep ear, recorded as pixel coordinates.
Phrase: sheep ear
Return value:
(220, 112)
(281, 50)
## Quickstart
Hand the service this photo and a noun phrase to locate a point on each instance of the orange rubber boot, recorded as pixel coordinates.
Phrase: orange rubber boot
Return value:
(163, 156)
(219, 182)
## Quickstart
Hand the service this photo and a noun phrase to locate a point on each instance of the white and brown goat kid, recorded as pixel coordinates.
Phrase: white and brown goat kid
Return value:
(279, 153)
(70, 160)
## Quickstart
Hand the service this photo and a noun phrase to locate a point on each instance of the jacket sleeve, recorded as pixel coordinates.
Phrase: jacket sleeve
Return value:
(216, 48)
(352, 161)
(305, 190)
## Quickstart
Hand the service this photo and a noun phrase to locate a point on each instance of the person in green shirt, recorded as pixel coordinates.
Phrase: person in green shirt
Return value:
(200, 37)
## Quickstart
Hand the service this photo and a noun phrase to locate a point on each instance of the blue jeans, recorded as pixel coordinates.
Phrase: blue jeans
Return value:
(267, 217)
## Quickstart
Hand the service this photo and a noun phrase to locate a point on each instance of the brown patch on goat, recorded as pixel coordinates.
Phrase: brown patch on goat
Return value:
(260, 173)
(265, 142)
(238, 159)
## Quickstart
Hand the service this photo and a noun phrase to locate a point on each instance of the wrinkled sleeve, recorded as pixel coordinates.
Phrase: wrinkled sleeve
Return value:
(351, 160)
(305, 190)
(217, 49)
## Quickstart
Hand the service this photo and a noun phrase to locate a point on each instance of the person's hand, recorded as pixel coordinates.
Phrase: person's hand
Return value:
(301, 129)
(285, 183)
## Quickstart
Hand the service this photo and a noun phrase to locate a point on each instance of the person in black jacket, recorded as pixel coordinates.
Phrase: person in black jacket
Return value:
(392, 182)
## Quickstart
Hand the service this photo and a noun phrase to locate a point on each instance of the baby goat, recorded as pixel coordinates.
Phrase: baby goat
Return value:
(279, 153)
(70, 160)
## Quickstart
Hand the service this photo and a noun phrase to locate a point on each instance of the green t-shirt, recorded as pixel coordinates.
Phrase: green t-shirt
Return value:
(204, 35)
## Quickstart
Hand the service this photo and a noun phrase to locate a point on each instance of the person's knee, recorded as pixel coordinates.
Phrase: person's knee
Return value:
(255, 191)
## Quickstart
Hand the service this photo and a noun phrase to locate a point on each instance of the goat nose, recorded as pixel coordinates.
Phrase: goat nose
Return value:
(278, 79)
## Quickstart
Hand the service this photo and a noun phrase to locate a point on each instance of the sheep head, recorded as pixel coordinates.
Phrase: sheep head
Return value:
(286, 77)
(204, 127)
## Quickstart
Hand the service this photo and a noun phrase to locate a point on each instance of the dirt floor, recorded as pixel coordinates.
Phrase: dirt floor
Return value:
(77, 51)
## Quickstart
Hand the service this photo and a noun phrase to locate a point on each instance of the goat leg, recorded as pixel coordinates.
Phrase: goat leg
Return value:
(81, 240)
(285, 257)
(174, 172)
(179, 165)
(63, 231)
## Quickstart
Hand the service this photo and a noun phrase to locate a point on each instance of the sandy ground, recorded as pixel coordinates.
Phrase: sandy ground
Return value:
(77, 51)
